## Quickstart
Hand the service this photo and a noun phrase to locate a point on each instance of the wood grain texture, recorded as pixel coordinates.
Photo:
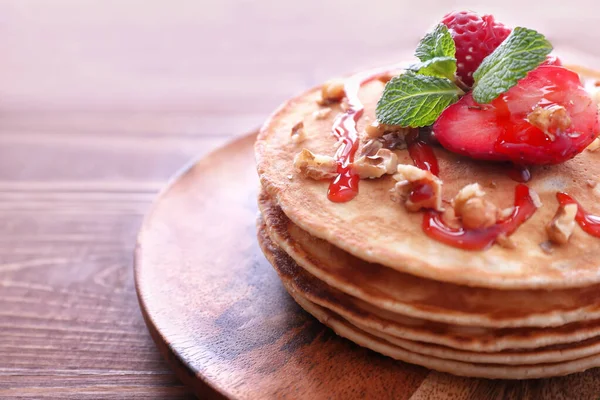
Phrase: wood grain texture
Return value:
(221, 317)
(101, 101)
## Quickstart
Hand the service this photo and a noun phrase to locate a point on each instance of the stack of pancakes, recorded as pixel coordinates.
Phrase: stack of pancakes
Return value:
(366, 269)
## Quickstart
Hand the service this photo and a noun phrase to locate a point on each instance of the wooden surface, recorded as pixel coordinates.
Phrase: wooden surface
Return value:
(102, 100)
(223, 320)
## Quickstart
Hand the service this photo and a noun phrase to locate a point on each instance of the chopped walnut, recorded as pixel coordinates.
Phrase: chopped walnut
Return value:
(595, 145)
(383, 162)
(466, 193)
(332, 91)
(376, 129)
(298, 134)
(371, 148)
(562, 225)
(450, 219)
(409, 176)
(550, 119)
(478, 213)
(315, 166)
(474, 211)
(394, 140)
(322, 113)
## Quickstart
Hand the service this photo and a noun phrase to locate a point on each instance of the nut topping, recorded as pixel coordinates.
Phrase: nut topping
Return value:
(477, 213)
(315, 166)
(376, 130)
(550, 119)
(562, 225)
(371, 147)
(375, 166)
(332, 91)
(298, 132)
(409, 177)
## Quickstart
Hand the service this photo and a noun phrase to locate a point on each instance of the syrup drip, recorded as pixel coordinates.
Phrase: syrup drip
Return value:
(519, 173)
(587, 222)
(344, 186)
(480, 239)
(423, 157)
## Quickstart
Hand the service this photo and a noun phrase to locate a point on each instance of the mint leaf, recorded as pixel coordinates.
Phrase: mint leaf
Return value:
(443, 67)
(415, 100)
(522, 51)
(437, 43)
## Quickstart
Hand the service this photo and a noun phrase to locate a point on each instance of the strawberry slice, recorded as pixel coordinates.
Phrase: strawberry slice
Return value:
(547, 118)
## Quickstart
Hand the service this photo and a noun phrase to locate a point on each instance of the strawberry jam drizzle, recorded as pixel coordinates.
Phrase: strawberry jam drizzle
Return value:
(344, 186)
(588, 222)
(480, 239)
(468, 239)
(423, 157)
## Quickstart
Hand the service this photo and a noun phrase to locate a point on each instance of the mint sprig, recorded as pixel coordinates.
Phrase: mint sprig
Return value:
(411, 99)
(437, 53)
(418, 97)
(437, 43)
(522, 51)
(443, 67)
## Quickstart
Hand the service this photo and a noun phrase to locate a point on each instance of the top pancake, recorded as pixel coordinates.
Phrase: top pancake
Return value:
(374, 228)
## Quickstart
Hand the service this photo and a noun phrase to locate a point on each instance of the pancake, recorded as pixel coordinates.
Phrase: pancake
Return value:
(483, 370)
(373, 228)
(368, 317)
(549, 354)
(412, 296)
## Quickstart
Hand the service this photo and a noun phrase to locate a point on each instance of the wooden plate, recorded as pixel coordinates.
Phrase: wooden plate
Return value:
(220, 316)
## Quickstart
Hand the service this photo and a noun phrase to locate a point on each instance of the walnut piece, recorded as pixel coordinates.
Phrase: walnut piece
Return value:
(408, 177)
(332, 91)
(474, 211)
(298, 134)
(562, 225)
(376, 130)
(478, 213)
(371, 148)
(450, 219)
(550, 119)
(375, 166)
(595, 145)
(315, 166)
(466, 193)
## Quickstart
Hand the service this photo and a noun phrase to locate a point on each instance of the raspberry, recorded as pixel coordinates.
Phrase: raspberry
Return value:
(476, 37)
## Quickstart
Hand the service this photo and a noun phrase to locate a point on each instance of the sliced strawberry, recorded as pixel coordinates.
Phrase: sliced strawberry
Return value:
(547, 118)
(475, 37)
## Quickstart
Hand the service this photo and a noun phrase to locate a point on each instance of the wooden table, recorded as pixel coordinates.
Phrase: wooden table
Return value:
(101, 101)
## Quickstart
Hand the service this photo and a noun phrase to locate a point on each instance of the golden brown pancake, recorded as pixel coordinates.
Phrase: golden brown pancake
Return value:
(576, 358)
(373, 228)
(368, 317)
(417, 297)
(478, 370)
